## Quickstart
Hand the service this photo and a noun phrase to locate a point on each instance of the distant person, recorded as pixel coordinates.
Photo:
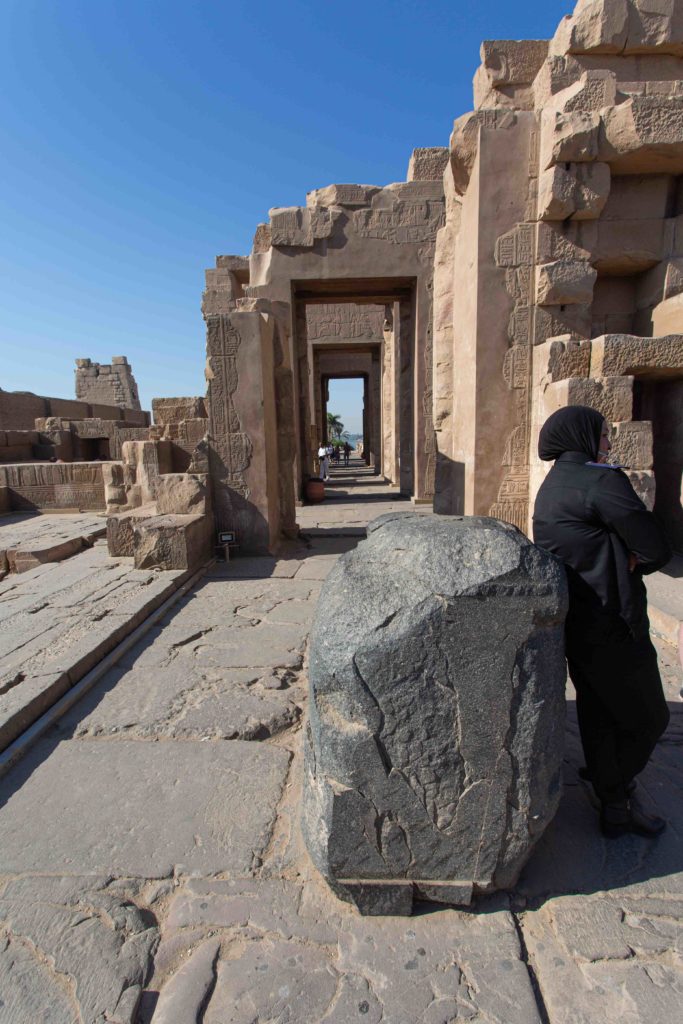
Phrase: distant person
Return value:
(324, 464)
(588, 514)
(347, 452)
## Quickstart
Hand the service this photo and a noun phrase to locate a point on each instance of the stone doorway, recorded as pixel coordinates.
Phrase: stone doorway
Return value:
(364, 330)
(369, 435)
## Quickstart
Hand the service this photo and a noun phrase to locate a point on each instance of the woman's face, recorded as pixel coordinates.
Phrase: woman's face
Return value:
(604, 445)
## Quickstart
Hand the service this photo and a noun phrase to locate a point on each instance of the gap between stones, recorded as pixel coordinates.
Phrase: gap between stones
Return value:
(526, 959)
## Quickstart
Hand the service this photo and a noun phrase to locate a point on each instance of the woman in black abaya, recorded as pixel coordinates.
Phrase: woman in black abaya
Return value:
(588, 514)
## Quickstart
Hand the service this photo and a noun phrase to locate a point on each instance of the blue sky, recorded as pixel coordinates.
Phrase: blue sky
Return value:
(141, 138)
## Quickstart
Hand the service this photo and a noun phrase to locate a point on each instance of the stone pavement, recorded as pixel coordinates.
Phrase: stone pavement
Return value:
(28, 540)
(59, 619)
(151, 866)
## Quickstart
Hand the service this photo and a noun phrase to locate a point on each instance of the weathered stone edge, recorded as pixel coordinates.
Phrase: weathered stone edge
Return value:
(34, 718)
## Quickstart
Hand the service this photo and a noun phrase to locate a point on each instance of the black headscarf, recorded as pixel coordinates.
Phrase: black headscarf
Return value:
(576, 428)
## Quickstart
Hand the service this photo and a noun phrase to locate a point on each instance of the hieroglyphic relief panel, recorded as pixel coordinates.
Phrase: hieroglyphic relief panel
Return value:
(514, 251)
(344, 320)
(406, 222)
(231, 448)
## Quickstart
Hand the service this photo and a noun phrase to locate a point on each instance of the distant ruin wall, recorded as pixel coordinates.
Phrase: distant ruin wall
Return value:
(112, 383)
(76, 485)
(19, 410)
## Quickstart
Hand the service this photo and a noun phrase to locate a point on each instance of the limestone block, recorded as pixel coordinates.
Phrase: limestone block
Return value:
(629, 246)
(464, 141)
(620, 354)
(561, 358)
(592, 189)
(632, 444)
(564, 282)
(596, 26)
(555, 321)
(643, 484)
(233, 262)
(639, 197)
(222, 291)
(556, 194)
(301, 226)
(342, 195)
(610, 395)
(172, 542)
(513, 61)
(120, 526)
(262, 239)
(667, 316)
(569, 138)
(655, 25)
(558, 72)
(552, 244)
(643, 135)
(594, 90)
(175, 410)
(427, 164)
(507, 71)
(182, 494)
(408, 786)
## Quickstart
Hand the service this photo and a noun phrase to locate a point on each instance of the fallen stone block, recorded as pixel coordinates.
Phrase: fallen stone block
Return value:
(182, 494)
(172, 542)
(120, 538)
(434, 746)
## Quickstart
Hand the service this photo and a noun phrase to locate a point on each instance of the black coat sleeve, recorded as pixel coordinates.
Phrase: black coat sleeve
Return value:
(618, 506)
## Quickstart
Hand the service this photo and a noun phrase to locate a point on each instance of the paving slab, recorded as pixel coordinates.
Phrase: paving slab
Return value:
(28, 540)
(139, 798)
(72, 949)
(288, 952)
(58, 621)
(140, 808)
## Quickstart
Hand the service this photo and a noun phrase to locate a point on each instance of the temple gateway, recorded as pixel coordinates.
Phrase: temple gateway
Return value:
(535, 262)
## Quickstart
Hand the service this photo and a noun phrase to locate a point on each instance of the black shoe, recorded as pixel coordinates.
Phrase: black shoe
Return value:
(643, 821)
(629, 817)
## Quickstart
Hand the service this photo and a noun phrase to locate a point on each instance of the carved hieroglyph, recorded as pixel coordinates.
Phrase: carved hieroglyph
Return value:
(230, 447)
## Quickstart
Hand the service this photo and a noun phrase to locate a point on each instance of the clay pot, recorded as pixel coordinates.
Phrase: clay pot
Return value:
(315, 490)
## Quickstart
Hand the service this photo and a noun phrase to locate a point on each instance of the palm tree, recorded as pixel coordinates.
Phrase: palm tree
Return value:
(335, 427)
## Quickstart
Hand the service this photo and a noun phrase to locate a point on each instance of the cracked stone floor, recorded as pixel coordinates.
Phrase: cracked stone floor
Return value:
(151, 867)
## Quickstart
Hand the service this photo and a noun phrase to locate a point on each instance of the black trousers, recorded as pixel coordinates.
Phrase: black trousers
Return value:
(620, 702)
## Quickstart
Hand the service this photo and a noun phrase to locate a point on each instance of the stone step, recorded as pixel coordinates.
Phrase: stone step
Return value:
(60, 621)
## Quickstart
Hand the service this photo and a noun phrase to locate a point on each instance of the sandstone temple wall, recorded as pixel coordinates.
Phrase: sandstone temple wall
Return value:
(535, 262)
(111, 383)
(566, 261)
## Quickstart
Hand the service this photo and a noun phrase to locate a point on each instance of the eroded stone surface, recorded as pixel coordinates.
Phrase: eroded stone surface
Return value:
(403, 772)
(72, 949)
(207, 807)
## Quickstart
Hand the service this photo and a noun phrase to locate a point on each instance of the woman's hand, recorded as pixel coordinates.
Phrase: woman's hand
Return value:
(632, 561)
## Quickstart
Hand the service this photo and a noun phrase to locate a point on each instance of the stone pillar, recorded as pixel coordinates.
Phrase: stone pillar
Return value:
(405, 346)
(243, 433)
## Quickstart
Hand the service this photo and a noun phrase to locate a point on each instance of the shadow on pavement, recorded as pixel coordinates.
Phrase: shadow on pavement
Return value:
(572, 857)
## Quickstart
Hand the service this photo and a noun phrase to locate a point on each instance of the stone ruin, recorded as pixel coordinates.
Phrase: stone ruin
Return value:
(151, 480)
(112, 384)
(536, 261)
